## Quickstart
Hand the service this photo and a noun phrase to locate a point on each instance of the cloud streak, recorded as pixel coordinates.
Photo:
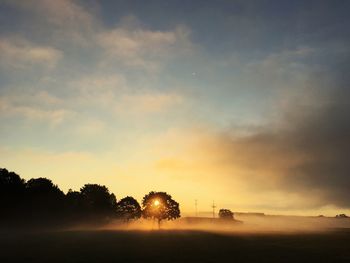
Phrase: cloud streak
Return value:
(19, 53)
(144, 48)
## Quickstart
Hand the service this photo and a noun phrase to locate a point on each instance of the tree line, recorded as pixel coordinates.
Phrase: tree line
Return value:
(40, 202)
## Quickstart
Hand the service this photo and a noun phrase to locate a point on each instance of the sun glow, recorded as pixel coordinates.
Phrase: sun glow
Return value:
(156, 202)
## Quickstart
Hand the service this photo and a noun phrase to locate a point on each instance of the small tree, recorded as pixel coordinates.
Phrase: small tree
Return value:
(128, 209)
(160, 206)
(341, 216)
(225, 214)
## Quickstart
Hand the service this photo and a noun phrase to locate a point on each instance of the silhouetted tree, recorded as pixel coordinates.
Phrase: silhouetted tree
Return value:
(44, 200)
(160, 206)
(74, 205)
(73, 198)
(225, 214)
(42, 186)
(11, 194)
(97, 201)
(42, 203)
(128, 209)
(10, 182)
(341, 216)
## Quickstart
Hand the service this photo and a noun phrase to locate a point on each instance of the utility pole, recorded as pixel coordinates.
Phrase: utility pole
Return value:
(196, 205)
(213, 206)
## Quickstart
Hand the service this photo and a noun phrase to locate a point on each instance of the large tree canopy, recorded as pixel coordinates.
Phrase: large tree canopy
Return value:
(96, 199)
(43, 186)
(10, 182)
(160, 206)
(43, 199)
(12, 189)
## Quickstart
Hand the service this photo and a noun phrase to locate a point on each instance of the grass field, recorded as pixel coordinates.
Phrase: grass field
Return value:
(174, 246)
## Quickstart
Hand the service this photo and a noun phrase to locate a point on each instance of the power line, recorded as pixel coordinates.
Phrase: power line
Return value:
(213, 206)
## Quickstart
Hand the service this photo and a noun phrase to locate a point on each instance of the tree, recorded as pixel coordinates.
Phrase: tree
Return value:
(12, 188)
(341, 216)
(225, 214)
(160, 206)
(44, 201)
(128, 209)
(10, 182)
(73, 198)
(42, 186)
(74, 207)
(39, 201)
(97, 201)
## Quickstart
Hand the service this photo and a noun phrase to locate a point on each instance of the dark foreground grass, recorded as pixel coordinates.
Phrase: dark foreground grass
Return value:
(173, 246)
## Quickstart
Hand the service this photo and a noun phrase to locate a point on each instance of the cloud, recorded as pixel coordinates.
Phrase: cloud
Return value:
(20, 53)
(99, 90)
(68, 23)
(63, 20)
(91, 82)
(114, 93)
(306, 157)
(53, 117)
(146, 103)
(297, 158)
(304, 150)
(90, 128)
(144, 48)
(40, 106)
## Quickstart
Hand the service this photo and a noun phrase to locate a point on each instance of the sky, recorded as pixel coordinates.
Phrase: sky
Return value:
(242, 102)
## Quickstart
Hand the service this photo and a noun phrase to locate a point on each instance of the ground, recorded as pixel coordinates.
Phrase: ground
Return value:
(174, 246)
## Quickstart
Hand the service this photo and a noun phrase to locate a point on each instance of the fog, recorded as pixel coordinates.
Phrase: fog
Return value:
(243, 224)
(257, 239)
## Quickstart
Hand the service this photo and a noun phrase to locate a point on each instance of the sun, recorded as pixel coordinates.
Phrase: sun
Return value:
(156, 202)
